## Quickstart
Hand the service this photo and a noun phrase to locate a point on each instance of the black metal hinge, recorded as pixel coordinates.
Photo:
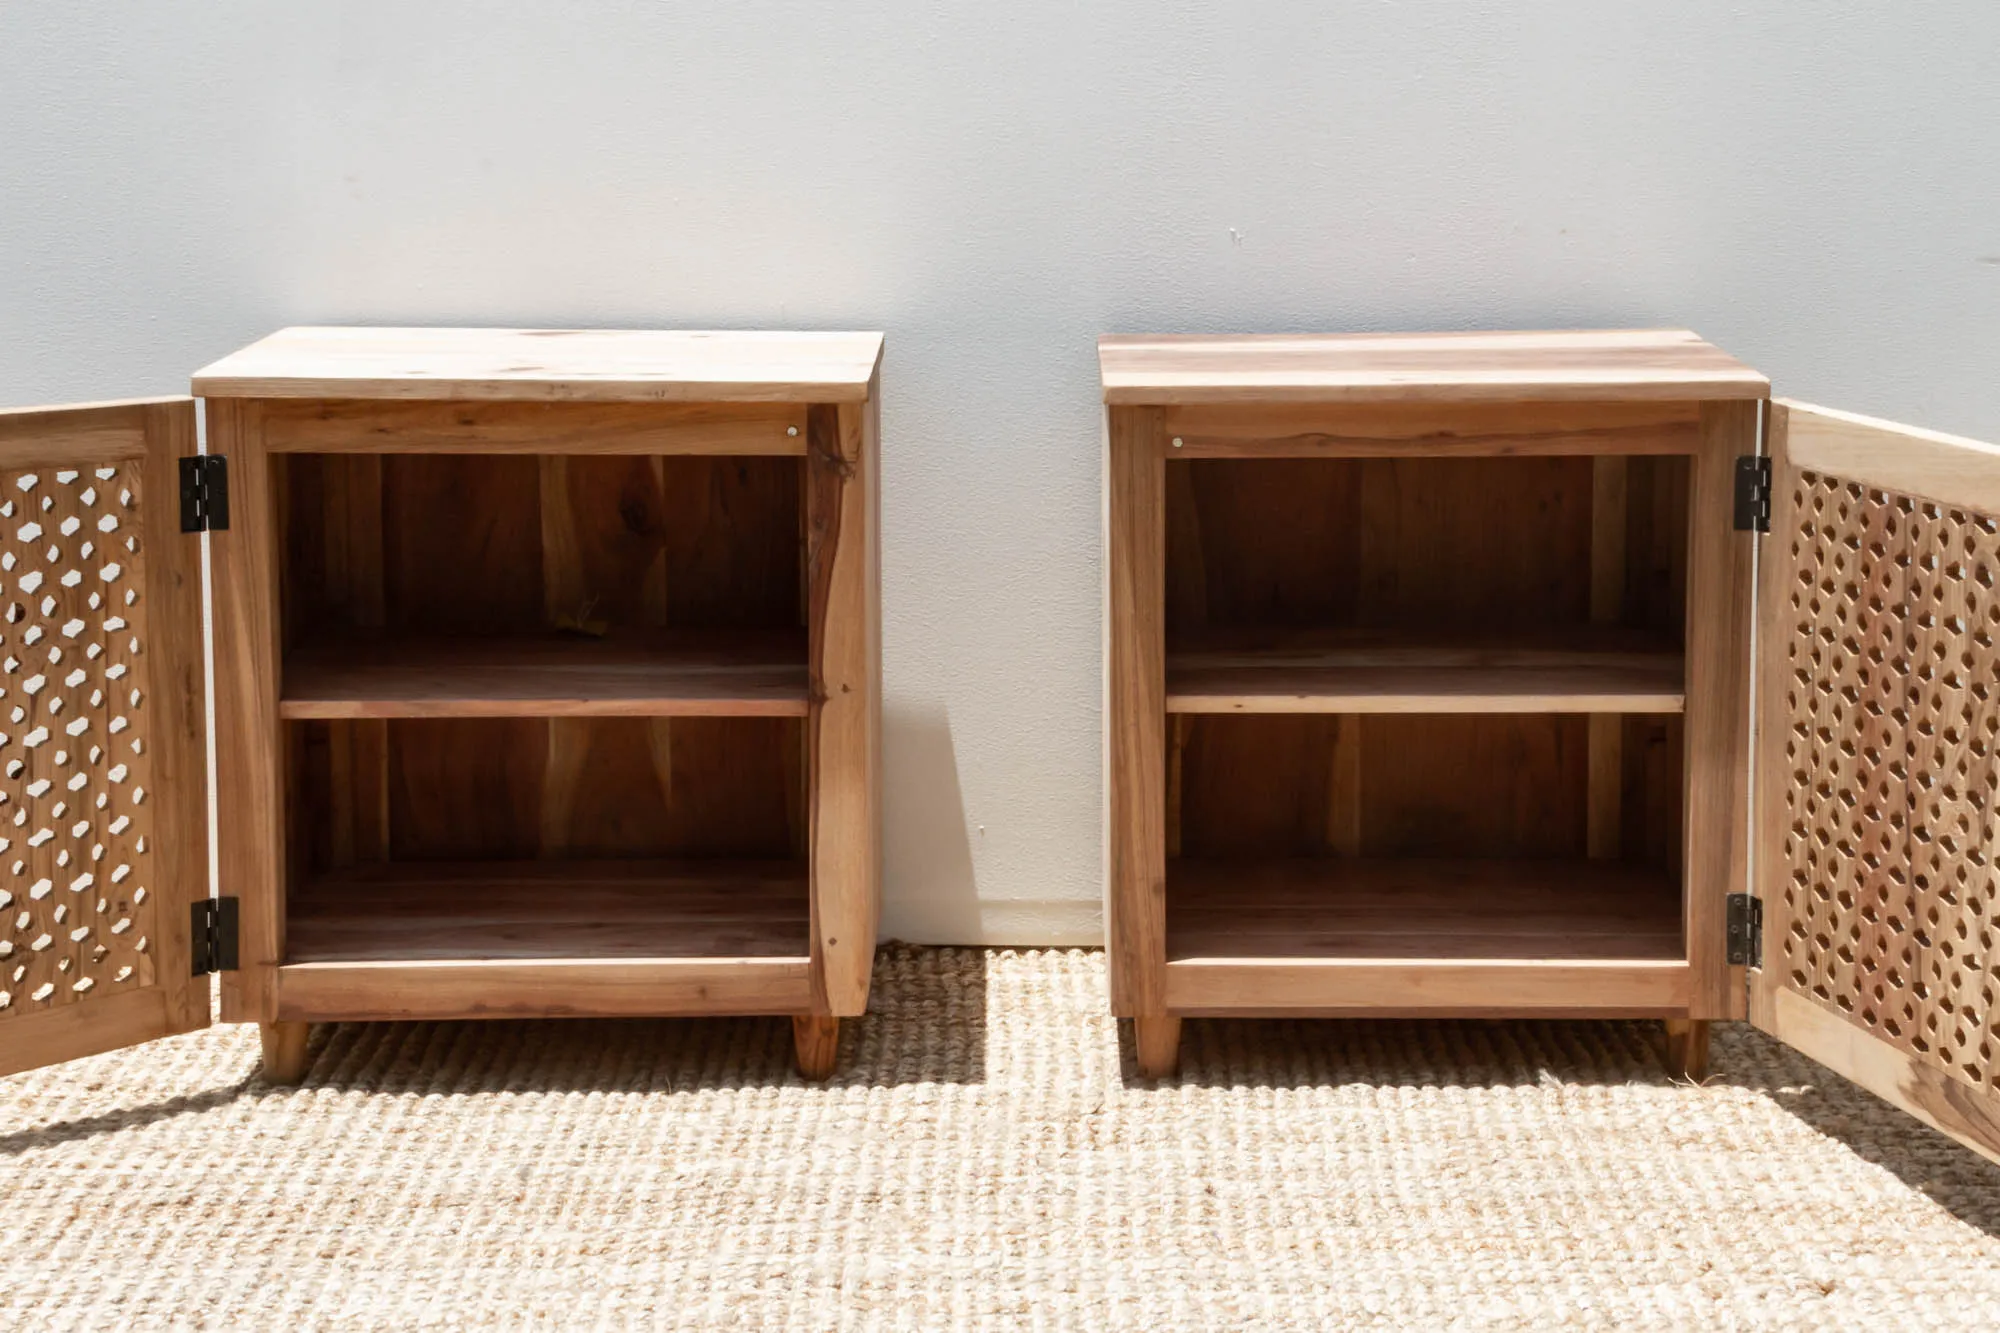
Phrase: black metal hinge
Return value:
(204, 493)
(1753, 494)
(213, 935)
(1745, 931)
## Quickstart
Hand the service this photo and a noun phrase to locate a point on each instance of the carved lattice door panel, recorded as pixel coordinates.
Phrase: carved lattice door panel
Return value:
(103, 789)
(1878, 849)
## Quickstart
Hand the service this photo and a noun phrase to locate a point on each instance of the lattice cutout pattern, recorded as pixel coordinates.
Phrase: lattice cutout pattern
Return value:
(1891, 906)
(78, 918)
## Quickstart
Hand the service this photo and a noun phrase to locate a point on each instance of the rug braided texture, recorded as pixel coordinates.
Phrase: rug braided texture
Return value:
(985, 1158)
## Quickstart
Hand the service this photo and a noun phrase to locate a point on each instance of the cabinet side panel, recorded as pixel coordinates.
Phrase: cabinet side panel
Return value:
(843, 724)
(1135, 709)
(1720, 599)
(249, 778)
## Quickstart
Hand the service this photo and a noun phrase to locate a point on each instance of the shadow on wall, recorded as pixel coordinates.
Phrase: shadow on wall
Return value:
(930, 894)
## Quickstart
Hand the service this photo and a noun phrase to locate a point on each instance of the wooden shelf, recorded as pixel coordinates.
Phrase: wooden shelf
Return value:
(420, 940)
(1378, 673)
(1392, 936)
(548, 676)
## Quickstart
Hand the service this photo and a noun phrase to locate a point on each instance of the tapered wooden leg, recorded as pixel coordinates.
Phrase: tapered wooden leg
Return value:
(1158, 1039)
(284, 1051)
(816, 1040)
(1687, 1048)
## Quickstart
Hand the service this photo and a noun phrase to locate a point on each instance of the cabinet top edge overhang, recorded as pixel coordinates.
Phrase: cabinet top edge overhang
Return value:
(550, 365)
(1529, 366)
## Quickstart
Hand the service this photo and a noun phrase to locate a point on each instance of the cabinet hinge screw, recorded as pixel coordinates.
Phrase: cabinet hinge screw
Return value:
(1744, 928)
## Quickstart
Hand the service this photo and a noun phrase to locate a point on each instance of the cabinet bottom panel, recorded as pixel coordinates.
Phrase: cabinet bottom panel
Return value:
(1485, 937)
(407, 911)
(1483, 988)
(519, 939)
(544, 988)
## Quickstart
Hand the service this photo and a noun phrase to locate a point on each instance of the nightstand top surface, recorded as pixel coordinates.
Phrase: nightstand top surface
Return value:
(1660, 364)
(550, 365)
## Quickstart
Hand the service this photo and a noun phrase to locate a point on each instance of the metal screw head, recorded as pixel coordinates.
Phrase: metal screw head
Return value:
(791, 430)
(1177, 441)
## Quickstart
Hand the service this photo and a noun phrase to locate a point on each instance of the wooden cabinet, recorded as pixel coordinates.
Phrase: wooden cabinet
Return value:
(546, 683)
(1429, 679)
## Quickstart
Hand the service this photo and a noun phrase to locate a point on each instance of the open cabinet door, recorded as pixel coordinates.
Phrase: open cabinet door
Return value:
(1877, 846)
(103, 785)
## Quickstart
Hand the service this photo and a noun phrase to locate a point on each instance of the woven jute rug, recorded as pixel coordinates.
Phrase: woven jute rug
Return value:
(985, 1158)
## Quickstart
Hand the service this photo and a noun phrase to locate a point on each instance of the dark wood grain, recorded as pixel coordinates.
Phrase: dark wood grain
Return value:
(1403, 909)
(542, 909)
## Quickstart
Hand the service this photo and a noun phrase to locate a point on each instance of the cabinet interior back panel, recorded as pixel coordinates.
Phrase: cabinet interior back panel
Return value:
(1414, 785)
(483, 544)
(561, 788)
(1437, 546)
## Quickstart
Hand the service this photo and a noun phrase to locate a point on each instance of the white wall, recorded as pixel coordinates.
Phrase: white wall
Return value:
(1817, 190)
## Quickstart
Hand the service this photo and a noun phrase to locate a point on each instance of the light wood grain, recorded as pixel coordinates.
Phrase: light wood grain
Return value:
(1874, 713)
(844, 726)
(1430, 429)
(1652, 364)
(72, 1031)
(569, 365)
(98, 432)
(1930, 465)
(251, 860)
(98, 927)
(1465, 988)
(1969, 1114)
(1135, 710)
(546, 604)
(176, 679)
(1721, 600)
(376, 426)
(717, 675)
(521, 910)
(544, 988)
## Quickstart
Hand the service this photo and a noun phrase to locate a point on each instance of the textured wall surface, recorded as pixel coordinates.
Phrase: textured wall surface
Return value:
(994, 185)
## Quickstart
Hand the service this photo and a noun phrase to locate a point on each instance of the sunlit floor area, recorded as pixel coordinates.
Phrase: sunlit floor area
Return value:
(985, 1158)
